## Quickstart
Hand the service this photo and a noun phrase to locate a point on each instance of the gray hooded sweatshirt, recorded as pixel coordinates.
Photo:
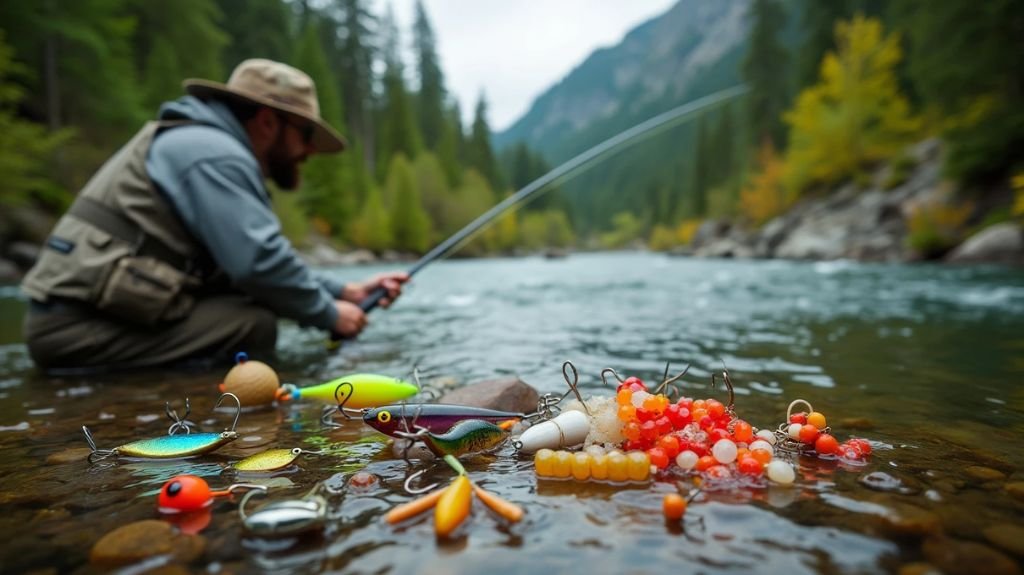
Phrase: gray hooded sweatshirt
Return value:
(208, 173)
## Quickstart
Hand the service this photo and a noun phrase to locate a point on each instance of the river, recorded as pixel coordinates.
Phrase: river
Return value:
(925, 361)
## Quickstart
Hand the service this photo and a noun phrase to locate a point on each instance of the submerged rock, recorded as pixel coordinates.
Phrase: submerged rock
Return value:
(982, 473)
(954, 557)
(136, 541)
(71, 455)
(507, 394)
(901, 519)
(1006, 536)
(1016, 490)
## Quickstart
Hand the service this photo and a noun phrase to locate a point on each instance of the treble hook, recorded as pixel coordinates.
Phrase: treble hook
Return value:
(238, 408)
(179, 423)
(669, 381)
(97, 454)
(573, 385)
(728, 385)
(420, 490)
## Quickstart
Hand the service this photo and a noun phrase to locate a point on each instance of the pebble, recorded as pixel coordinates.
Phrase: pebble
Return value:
(984, 473)
(71, 455)
(1006, 536)
(919, 568)
(882, 481)
(903, 519)
(1016, 490)
(955, 557)
(136, 541)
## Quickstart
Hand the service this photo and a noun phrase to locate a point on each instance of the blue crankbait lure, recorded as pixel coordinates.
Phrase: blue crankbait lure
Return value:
(169, 446)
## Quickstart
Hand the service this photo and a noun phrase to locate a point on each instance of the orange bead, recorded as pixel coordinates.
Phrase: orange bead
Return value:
(816, 419)
(631, 431)
(809, 433)
(698, 404)
(624, 396)
(705, 463)
(698, 414)
(716, 409)
(742, 452)
(826, 444)
(742, 431)
(762, 455)
(627, 413)
(673, 506)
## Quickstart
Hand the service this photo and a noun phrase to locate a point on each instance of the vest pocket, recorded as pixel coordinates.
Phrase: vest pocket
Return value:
(145, 290)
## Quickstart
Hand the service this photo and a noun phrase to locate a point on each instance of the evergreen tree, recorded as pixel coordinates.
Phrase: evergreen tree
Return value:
(355, 59)
(430, 99)
(323, 189)
(450, 146)
(410, 225)
(765, 69)
(398, 134)
(479, 153)
(191, 28)
(965, 60)
(257, 29)
(435, 194)
(372, 229)
(162, 80)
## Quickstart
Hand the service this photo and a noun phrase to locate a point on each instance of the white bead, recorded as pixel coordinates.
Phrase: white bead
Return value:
(686, 460)
(794, 431)
(724, 451)
(762, 444)
(780, 472)
(767, 435)
(638, 397)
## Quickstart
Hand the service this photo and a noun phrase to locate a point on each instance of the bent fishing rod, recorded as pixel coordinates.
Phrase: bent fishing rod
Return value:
(573, 167)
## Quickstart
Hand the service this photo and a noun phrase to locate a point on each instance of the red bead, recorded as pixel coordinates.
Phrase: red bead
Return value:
(809, 433)
(825, 444)
(800, 418)
(670, 445)
(750, 466)
(658, 457)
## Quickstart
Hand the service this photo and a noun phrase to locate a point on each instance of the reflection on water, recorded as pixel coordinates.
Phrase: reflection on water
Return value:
(926, 361)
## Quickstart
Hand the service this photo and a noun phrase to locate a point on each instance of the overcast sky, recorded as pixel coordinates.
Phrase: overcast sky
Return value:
(513, 50)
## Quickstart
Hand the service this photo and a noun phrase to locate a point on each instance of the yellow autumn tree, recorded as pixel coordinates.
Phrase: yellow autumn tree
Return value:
(765, 197)
(855, 115)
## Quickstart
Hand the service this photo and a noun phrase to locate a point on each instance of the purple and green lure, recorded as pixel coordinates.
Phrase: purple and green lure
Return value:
(169, 446)
(434, 417)
(465, 437)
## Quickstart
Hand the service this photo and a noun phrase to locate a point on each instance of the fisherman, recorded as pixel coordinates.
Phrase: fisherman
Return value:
(172, 252)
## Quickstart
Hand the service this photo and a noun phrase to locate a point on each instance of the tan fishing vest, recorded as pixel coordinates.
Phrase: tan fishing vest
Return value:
(120, 247)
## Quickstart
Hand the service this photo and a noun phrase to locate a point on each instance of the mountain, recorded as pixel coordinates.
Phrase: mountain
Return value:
(691, 50)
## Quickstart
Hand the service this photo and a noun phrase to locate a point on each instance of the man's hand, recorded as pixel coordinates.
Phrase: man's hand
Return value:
(356, 292)
(351, 319)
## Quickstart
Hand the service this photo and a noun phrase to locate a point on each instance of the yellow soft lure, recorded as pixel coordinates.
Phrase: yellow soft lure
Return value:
(356, 391)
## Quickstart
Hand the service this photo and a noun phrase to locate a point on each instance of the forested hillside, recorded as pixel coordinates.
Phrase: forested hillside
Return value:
(837, 89)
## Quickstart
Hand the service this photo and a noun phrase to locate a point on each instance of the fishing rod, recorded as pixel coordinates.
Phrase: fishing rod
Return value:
(616, 143)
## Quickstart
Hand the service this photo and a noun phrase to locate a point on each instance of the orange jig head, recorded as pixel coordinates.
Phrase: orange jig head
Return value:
(186, 493)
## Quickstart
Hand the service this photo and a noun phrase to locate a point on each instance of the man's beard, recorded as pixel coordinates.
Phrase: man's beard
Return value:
(284, 169)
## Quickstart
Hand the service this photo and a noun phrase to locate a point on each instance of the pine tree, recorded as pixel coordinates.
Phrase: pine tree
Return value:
(257, 29)
(479, 153)
(398, 134)
(355, 59)
(765, 69)
(451, 144)
(430, 98)
(372, 229)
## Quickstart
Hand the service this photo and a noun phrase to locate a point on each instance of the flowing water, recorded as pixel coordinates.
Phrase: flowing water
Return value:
(925, 361)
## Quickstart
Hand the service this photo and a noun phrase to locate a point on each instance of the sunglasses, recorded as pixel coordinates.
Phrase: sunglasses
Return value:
(305, 129)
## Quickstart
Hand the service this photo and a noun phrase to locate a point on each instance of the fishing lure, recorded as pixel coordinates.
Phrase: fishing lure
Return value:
(435, 417)
(170, 446)
(187, 493)
(465, 437)
(285, 518)
(361, 390)
(271, 460)
(566, 430)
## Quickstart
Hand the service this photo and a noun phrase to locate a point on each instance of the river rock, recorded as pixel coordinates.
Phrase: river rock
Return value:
(71, 455)
(1016, 490)
(919, 569)
(982, 473)
(1006, 536)
(902, 519)
(1001, 243)
(136, 541)
(507, 394)
(954, 557)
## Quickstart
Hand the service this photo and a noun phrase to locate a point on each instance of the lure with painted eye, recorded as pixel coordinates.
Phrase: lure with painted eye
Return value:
(270, 460)
(468, 436)
(188, 493)
(367, 390)
(435, 417)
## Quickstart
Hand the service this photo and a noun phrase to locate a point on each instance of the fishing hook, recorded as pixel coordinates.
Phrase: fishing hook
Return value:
(325, 415)
(238, 408)
(607, 370)
(179, 423)
(97, 454)
(728, 385)
(573, 385)
(417, 491)
(669, 381)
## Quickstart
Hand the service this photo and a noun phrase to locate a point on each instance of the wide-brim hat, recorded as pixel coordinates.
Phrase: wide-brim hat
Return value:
(278, 86)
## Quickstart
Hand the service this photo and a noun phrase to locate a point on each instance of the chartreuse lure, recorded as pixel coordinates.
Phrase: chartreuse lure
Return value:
(270, 460)
(169, 446)
(356, 391)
